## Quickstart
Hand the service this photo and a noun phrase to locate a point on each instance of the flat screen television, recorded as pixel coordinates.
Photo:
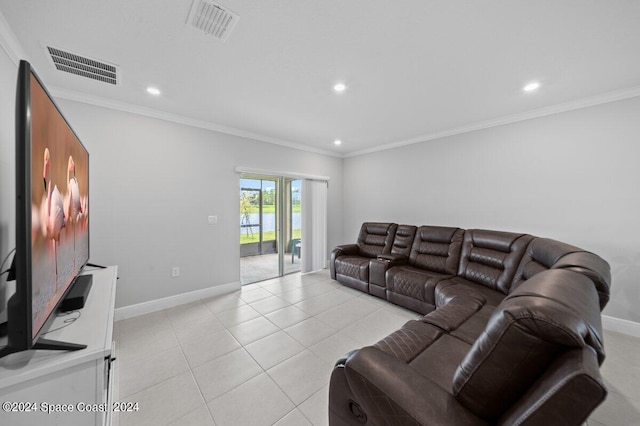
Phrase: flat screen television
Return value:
(52, 216)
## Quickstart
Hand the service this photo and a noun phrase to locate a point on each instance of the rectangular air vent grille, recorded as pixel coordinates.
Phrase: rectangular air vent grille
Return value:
(212, 19)
(83, 66)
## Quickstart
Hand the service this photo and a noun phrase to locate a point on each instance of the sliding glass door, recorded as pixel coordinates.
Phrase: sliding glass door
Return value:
(270, 227)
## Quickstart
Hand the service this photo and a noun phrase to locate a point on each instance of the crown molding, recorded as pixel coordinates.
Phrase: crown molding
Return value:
(11, 45)
(9, 42)
(175, 118)
(613, 96)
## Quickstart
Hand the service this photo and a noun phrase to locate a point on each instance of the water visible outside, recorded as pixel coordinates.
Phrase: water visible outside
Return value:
(269, 221)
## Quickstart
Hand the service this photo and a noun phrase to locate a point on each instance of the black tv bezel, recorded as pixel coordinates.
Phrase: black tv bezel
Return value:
(21, 335)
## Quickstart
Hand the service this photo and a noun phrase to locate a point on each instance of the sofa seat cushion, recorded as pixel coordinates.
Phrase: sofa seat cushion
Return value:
(460, 287)
(470, 330)
(408, 342)
(353, 266)
(413, 282)
(439, 361)
(452, 315)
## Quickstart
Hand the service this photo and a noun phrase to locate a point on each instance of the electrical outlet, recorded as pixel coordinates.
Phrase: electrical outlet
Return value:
(213, 220)
(175, 272)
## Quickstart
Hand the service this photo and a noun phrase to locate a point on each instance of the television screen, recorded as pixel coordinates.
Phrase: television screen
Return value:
(52, 217)
(59, 205)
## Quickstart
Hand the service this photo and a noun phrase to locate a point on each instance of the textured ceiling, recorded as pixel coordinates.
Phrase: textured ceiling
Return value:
(414, 69)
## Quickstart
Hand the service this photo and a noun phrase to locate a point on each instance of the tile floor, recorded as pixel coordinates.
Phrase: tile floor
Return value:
(264, 355)
(264, 266)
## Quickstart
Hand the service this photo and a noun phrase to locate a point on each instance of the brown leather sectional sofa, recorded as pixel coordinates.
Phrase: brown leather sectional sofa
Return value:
(511, 332)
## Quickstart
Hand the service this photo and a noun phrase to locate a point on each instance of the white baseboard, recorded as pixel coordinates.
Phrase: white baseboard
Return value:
(168, 302)
(621, 325)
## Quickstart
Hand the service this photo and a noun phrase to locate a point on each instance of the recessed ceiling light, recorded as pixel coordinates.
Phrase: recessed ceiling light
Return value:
(337, 142)
(153, 90)
(340, 87)
(531, 87)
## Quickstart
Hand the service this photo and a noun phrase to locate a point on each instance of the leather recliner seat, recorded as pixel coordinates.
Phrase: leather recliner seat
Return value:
(512, 335)
(350, 263)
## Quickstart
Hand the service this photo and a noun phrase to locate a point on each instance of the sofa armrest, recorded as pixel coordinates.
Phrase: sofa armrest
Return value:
(398, 258)
(346, 250)
(378, 267)
(374, 376)
(343, 250)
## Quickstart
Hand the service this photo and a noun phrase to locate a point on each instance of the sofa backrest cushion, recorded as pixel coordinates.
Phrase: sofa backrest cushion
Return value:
(403, 240)
(437, 248)
(543, 254)
(491, 258)
(553, 312)
(375, 238)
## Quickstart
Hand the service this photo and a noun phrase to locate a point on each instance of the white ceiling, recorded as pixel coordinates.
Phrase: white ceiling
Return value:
(415, 69)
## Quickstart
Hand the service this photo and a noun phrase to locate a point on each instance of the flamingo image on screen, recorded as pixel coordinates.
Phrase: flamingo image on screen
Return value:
(52, 213)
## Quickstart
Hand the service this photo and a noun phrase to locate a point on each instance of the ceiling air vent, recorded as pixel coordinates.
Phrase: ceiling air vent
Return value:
(83, 66)
(212, 19)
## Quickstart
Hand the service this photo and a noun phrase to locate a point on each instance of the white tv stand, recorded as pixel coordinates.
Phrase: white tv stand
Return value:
(79, 382)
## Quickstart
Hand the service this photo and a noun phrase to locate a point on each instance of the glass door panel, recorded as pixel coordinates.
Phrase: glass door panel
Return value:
(258, 229)
(270, 227)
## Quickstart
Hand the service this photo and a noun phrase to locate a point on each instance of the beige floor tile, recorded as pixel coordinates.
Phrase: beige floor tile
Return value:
(185, 314)
(334, 347)
(253, 330)
(310, 331)
(258, 401)
(274, 349)
(141, 344)
(305, 292)
(269, 304)
(224, 373)
(250, 296)
(323, 302)
(164, 402)
(301, 376)
(223, 303)
(351, 311)
(315, 408)
(293, 418)
(237, 315)
(155, 352)
(198, 417)
(135, 376)
(287, 317)
(617, 409)
(198, 328)
(209, 347)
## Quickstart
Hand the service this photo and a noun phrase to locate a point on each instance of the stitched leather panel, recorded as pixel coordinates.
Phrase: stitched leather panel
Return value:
(437, 249)
(407, 284)
(416, 283)
(403, 239)
(351, 266)
(483, 274)
(491, 258)
(488, 257)
(404, 344)
(375, 238)
(432, 256)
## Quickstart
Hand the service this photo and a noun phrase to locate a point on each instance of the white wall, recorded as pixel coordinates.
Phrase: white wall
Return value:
(574, 177)
(8, 77)
(153, 184)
